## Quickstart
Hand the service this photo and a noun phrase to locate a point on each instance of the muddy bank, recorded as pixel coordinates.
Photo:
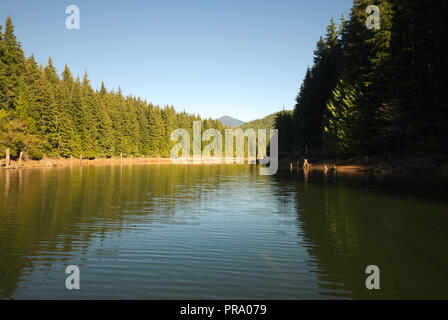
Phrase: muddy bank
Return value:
(380, 164)
(428, 164)
(59, 162)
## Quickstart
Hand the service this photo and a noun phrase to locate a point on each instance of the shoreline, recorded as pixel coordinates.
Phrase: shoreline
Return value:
(62, 162)
(436, 164)
(428, 164)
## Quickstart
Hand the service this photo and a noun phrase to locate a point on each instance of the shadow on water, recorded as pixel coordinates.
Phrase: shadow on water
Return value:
(399, 223)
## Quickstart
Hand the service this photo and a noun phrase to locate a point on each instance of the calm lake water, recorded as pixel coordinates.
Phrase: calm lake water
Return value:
(219, 232)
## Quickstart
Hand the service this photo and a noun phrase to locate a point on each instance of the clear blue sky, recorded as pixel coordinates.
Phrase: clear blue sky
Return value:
(245, 59)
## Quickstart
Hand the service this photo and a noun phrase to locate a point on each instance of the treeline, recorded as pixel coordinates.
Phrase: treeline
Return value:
(373, 91)
(42, 113)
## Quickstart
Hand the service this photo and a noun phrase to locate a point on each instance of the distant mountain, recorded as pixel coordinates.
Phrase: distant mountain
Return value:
(264, 123)
(230, 122)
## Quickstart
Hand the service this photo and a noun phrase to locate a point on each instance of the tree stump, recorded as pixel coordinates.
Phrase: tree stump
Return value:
(8, 158)
(306, 165)
(20, 159)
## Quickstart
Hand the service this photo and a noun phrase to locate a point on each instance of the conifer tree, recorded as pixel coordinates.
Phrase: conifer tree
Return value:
(13, 63)
(157, 132)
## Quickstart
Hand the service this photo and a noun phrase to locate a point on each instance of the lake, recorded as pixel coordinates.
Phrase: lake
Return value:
(220, 232)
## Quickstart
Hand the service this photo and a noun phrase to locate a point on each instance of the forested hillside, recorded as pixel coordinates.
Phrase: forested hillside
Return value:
(267, 122)
(375, 90)
(42, 113)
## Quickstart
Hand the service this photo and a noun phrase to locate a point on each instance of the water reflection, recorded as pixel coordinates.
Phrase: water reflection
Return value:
(176, 231)
(397, 223)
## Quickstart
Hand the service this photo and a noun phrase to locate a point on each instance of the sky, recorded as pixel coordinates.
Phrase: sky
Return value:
(245, 59)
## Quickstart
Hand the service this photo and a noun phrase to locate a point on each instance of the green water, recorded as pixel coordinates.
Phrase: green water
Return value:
(220, 232)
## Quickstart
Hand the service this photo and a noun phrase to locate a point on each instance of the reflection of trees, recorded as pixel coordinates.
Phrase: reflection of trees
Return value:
(53, 210)
(349, 226)
(346, 223)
